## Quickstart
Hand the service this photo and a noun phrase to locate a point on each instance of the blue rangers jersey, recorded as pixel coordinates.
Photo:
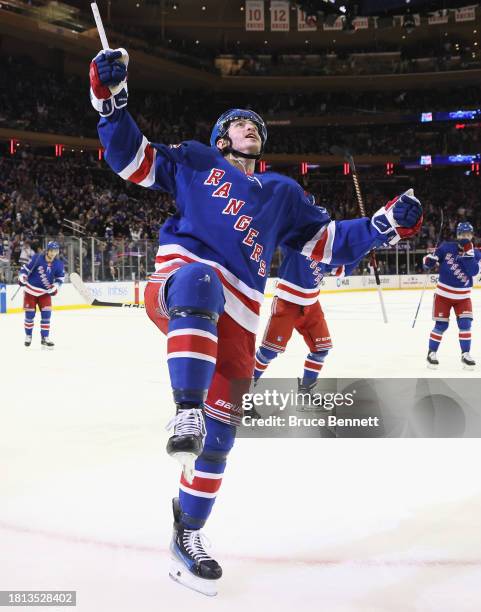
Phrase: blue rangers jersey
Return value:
(456, 271)
(300, 277)
(42, 276)
(227, 219)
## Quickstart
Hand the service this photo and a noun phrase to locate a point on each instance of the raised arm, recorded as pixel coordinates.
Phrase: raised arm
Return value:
(127, 151)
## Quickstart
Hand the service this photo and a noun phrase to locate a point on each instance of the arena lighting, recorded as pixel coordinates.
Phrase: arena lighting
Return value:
(304, 168)
(389, 169)
(346, 169)
(262, 166)
(13, 146)
(100, 153)
(59, 150)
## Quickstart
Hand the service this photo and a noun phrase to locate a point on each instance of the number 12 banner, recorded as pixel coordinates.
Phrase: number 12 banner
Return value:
(255, 20)
(279, 16)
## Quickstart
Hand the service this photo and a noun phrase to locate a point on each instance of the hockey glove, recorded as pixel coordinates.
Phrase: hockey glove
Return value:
(429, 261)
(401, 218)
(108, 81)
(53, 289)
(465, 247)
(22, 280)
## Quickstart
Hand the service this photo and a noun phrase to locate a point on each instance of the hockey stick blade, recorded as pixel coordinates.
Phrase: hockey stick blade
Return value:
(84, 291)
(79, 285)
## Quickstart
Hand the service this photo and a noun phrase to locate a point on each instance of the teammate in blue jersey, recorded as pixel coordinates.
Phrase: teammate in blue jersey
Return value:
(41, 278)
(296, 306)
(211, 270)
(459, 263)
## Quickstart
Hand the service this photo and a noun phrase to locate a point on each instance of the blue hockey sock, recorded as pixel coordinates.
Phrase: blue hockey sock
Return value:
(45, 323)
(464, 325)
(28, 322)
(263, 358)
(313, 365)
(195, 300)
(198, 498)
(437, 335)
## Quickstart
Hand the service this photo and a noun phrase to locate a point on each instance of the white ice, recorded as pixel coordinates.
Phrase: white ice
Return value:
(339, 525)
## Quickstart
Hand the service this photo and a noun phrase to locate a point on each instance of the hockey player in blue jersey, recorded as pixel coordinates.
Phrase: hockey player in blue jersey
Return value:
(296, 306)
(459, 263)
(211, 270)
(41, 278)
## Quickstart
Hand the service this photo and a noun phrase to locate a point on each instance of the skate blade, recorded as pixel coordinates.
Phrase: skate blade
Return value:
(187, 461)
(432, 366)
(179, 573)
(47, 348)
(470, 368)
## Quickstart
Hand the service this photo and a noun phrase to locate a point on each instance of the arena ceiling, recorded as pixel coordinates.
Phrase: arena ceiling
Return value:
(221, 24)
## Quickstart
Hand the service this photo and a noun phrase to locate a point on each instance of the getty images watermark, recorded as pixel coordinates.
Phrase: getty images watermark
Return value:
(275, 408)
(359, 408)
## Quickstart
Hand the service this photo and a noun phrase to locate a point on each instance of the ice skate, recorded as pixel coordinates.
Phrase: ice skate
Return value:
(28, 340)
(432, 360)
(191, 566)
(187, 441)
(307, 390)
(467, 361)
(47, 344)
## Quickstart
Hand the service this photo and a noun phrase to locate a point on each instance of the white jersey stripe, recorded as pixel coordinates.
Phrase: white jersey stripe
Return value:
(150, 178)
(134, 165)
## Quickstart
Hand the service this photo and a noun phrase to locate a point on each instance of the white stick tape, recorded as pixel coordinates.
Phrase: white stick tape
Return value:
(100, 26)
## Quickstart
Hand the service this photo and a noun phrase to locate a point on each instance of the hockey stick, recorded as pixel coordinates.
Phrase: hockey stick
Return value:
(100, 26)
(84, 291)
(28, 276)
(427, 273)
(335, 150)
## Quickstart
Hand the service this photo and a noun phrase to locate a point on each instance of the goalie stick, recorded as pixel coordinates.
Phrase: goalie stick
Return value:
(335, 150)
(85, 292)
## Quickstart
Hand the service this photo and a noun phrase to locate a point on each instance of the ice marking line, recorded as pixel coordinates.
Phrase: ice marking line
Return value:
(158, 550)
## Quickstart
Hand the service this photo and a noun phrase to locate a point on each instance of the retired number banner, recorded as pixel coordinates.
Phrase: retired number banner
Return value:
(467, 13)
(305, 23)
(438, 17)
(255, 15)
(279, 16)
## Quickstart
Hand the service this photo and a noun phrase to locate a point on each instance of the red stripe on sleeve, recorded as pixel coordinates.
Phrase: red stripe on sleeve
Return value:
(144, 168)
(318, 251)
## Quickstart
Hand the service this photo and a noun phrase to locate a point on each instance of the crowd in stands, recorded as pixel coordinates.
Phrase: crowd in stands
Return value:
(44, 101)
(47, 196)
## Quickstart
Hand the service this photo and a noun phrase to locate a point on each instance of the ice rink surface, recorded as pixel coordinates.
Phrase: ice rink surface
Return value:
(341, 525)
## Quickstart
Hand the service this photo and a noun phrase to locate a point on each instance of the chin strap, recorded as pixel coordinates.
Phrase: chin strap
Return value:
(240, 154)
(229, 149)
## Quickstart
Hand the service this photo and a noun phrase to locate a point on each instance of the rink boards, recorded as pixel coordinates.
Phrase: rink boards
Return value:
(68, 298)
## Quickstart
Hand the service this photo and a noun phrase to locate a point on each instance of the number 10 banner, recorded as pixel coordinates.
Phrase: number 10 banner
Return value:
(255, 15)
(279, 16)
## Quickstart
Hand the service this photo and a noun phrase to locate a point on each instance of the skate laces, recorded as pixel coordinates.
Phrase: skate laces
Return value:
(195, 542)
(187, 422)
